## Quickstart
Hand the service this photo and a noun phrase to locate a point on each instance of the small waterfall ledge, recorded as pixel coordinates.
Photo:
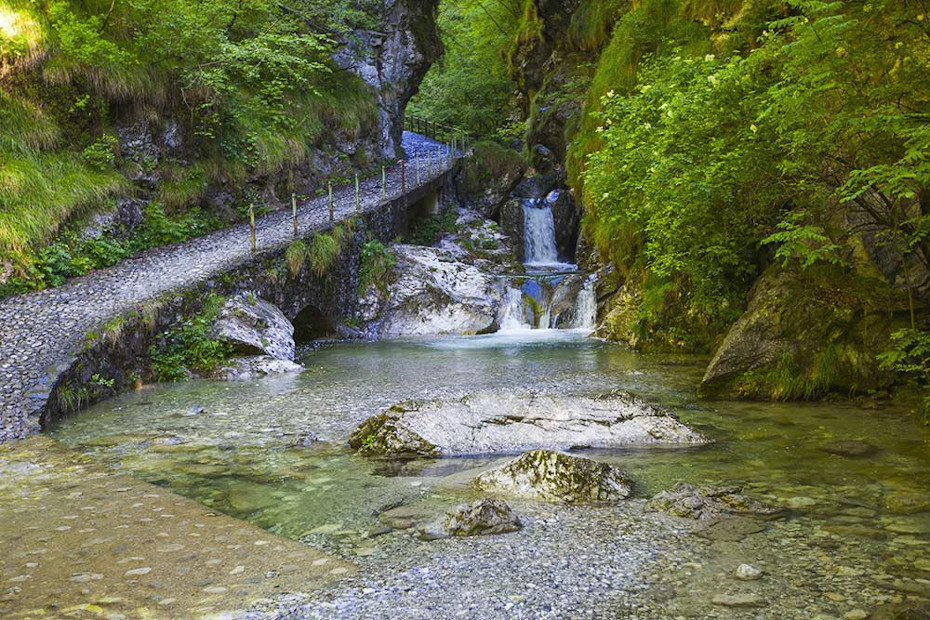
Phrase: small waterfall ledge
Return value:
(552, 295)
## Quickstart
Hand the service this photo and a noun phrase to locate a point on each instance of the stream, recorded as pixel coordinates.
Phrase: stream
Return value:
(273, 452)
(859, 530)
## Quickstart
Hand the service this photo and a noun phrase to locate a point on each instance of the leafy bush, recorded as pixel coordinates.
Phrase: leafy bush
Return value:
(378, 262)
(910, 356)
(431, 229)
(191, 346)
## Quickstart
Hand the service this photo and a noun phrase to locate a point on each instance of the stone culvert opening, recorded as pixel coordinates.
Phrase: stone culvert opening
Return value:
(312, 324)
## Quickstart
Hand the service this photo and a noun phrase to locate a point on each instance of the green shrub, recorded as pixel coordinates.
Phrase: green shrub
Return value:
(431, 229)
(191, 346)
(378, 262)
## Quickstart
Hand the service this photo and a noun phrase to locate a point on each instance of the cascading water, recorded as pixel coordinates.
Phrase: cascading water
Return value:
(539, 234)
(549, 296)
(585, 313)
(513, 311)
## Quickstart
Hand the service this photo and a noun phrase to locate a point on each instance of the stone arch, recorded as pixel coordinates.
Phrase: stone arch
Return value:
(311, 324)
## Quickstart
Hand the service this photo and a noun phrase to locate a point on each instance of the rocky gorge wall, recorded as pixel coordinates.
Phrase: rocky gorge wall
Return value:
(800, 335)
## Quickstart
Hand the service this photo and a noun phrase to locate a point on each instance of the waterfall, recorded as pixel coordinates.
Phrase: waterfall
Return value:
(539, 234)
(585, 312)
(513, 311)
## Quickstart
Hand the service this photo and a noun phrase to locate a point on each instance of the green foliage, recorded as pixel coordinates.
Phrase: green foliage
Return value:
(910, 357)
(472, 87)
(431, 229)
(191, 346)
(378, 262)
(691, 161)
(251, 84)
(323, 253)
(295, 256)
(803, 242)
(669, 190)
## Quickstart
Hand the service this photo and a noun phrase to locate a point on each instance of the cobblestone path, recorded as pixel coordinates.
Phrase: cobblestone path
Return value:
(41, 332)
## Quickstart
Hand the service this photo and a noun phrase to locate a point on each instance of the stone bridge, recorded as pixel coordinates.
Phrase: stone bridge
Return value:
(62, 349)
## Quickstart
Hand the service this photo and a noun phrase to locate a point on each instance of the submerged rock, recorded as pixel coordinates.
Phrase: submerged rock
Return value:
(481, 518)
(557, 477)
(743, 601)
(692, 502)
(851, 448)
(747, 572)
(433, 293)
(255, 327)
(502, 423)
(247, 368)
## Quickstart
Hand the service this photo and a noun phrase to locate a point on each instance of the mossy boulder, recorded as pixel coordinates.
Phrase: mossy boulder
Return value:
(691, 502)
(481, 518)
(387, 435)
(558, 478)
(808, 333)
(489, 174)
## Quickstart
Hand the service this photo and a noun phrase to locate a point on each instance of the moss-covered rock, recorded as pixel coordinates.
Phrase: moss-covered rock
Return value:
(489, 174)
(387, 435)
(557, 477)
(806, 334)
(482, 518)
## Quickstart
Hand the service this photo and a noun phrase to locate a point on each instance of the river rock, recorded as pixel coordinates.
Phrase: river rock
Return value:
(557, 477)
(255, 327)
(388, 435)
(248, 368)
(481, 518)
(691, 502)
(727, 528)
(747, 572)
(851, 448)
(507, 423)
(743, 601)
(432, 294)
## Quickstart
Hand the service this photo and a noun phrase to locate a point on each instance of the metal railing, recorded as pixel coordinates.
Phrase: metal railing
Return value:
(456, 137)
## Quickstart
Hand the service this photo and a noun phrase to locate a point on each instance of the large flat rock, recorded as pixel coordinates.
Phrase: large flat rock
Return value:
(503, 423)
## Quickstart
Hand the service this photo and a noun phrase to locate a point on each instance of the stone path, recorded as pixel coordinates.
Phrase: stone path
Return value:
(81, 541)
(41, 332)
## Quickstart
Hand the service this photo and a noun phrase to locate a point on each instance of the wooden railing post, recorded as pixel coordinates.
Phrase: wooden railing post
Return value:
(294, 212)
(358, 196)
(332, 211)
(252, 226)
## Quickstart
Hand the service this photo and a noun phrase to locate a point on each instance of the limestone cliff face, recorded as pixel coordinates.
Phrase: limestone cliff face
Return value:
(393, 61)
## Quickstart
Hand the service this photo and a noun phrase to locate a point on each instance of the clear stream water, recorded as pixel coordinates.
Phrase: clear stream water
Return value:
(238, 455)
(232, 447)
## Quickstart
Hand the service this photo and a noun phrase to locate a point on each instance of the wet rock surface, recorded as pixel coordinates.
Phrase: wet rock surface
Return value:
(433, 293)
(255, 327)
(692, 502)
(484, 517)
(248, 368)
(79, 538)
(502, 423)
(557, 477)
(850, 448)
